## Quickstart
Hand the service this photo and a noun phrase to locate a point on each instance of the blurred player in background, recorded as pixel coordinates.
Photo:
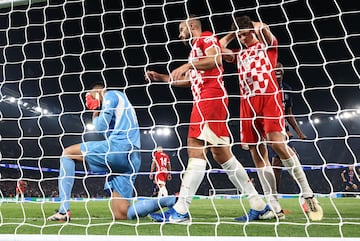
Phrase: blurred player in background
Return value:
(20, 190)
(119, 153)
(208, 129)
(161, 164)
(349, 179)
(261, 110)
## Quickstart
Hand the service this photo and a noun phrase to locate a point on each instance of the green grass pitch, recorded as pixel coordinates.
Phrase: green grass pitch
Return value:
(209, 218)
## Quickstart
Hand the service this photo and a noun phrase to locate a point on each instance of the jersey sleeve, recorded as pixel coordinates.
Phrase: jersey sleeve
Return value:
(102, 122)
(209, 40)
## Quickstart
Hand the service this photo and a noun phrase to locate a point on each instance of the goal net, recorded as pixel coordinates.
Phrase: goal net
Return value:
(52, 51)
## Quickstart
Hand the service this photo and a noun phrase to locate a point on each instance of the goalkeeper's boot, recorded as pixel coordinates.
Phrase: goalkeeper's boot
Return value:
(313, 209)
(266, 213)
(170, 216)
(61, 217)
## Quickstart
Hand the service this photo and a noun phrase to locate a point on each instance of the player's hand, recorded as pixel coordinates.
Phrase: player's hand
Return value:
(169, 177)
(151, 76)
(151, 176)
(258, 26)
(178, 73)
(91, 102)
(155, 76)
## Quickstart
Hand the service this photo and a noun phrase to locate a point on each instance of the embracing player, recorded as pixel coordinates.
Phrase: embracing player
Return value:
(261, 108)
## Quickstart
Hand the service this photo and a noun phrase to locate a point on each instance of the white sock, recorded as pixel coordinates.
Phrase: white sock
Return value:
(294, 168)
(241, 180)
(191, 181)
(163, 192)
(268, 184)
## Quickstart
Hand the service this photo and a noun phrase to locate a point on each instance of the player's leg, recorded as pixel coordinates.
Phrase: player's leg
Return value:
(119, 206)
(353, 189)
(122, 180)
(160, 179)
(238, 176)
(193, 175)
(198, 137)
(291, 161)
(66, 181)
(17, 196)
(347, 189)
(144, 207)
(162, 190)
(191, 181)
(277, 167)
(22, 196)
(268, 108)
(266, 176)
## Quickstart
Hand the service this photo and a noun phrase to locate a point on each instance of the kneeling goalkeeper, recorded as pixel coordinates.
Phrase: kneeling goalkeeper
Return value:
(118, 154)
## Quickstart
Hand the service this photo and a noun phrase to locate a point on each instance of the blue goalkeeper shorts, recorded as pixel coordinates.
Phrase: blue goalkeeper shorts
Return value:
(120, 160)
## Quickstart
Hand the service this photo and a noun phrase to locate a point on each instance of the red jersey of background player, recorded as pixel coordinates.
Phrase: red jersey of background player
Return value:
(21, 186)
(162, 162)
(205, 83)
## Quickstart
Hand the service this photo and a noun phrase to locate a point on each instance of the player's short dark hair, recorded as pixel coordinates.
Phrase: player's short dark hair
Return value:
(243, 22)
(98, 85)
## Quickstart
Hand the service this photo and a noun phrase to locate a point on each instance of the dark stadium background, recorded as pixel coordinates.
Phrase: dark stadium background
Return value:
(51, 55)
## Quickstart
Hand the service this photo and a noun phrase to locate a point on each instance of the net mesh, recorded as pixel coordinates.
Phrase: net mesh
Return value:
(52, 51)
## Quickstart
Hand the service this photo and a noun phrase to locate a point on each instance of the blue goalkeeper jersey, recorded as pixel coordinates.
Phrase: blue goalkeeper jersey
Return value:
(117, 119)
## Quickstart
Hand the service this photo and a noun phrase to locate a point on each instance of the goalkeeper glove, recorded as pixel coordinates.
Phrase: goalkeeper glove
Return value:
(91, 102)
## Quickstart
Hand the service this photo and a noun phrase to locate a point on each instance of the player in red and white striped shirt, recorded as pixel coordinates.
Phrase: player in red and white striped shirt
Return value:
(261, 108)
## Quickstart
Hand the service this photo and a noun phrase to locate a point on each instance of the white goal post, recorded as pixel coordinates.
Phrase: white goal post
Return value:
(52, 51)
(14, 3)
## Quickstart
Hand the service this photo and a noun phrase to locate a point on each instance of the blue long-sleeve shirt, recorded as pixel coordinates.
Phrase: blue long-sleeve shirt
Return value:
(117, 119)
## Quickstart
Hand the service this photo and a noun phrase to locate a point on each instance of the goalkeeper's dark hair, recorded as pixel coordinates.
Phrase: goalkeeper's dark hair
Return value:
(243, 22)
(98, 85)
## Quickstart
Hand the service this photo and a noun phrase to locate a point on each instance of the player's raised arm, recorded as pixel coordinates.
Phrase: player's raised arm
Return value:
(212, 60)
(227, 54)
(182, 81)
(224, 41)
(292, 121)
(263, 32)
(155, 76)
